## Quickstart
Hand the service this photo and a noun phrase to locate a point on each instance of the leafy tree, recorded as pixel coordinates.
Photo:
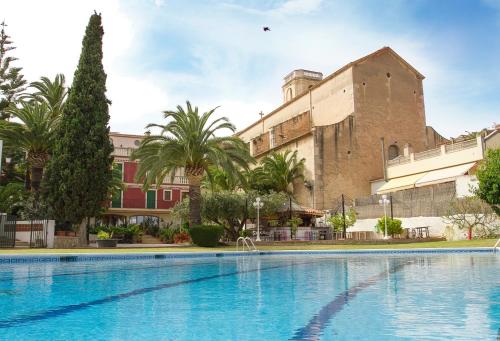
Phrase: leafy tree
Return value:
(337, 220)
(294, 223)
(488, 175)
(80, 171)
(12, 195)
(282, 169)
(190, 142)
(12, 82)
(232, 209)
(180, 211)
(469, 213)
(217, 180)
(393, 226)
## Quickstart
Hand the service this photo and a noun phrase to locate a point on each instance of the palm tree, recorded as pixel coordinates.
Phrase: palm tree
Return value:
(38, 114)
(53, 93)
(190, 142)
(34, 135)
(282, 169)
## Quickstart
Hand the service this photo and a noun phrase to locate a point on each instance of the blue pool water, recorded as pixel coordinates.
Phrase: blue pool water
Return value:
(272, 297)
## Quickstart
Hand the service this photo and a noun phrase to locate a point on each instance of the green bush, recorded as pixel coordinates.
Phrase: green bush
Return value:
(167, 235)
(104, 235)
(393, 226)
(206, 235)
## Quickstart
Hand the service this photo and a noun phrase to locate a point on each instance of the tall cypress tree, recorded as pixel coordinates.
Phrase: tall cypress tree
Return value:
(12, 82)
(80, 171)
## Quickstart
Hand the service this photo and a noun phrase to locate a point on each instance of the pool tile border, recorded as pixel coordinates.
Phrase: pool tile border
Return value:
(82, 257)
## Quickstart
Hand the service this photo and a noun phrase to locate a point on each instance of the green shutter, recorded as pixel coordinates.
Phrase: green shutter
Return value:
(151, 199)
(116, 200)
(119, 167)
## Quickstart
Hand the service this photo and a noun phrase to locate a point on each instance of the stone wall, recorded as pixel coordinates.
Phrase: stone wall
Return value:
(260, 144)
(291, 129)
(388, 100)
(429, 201)
(62, 242)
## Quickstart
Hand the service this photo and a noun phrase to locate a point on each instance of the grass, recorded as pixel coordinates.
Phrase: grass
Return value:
(434, 244)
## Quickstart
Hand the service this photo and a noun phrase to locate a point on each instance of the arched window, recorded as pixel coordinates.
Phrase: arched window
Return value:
(393, 151)
(289, 94)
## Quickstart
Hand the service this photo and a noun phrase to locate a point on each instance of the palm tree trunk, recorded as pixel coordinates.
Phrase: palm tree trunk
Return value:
(194, 199)
(36, 178)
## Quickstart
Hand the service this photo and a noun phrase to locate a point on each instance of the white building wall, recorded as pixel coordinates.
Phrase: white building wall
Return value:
(465, 185)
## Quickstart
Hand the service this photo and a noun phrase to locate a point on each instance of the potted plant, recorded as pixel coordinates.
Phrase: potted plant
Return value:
(294, 224)
(105, 239)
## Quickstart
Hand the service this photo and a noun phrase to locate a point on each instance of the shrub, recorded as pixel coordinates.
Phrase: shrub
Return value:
(246, 233)
(337, 221)
(294, 224)
(104, 235)
(206, 235)
(181, 237)
(393, 226)
(167, 235)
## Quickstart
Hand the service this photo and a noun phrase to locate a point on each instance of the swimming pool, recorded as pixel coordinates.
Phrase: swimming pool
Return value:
(289, 296)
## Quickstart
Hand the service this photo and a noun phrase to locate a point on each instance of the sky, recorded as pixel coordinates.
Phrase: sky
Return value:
(160, 53)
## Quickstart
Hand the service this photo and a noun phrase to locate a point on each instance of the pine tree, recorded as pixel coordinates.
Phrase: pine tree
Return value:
(80, 171)
(12, 82)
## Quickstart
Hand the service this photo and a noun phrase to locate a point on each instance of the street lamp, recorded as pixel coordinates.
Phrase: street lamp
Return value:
(384, 201)
(258, 205)
(1, 147)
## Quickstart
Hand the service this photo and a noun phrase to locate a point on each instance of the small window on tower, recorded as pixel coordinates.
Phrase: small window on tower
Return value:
(393, 151)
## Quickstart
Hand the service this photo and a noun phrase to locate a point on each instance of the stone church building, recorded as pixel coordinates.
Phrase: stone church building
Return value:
(346, 125)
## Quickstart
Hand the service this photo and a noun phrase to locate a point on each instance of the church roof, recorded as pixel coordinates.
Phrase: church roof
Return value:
(385, 49)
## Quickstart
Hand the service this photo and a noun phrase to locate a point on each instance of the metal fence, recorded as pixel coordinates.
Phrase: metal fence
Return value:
(7, 231)
(38, 233)
(31, 232)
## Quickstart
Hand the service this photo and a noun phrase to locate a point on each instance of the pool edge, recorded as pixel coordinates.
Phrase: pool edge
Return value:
(82, 257)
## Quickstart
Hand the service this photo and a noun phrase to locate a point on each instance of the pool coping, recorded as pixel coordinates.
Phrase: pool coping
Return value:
(83, 256)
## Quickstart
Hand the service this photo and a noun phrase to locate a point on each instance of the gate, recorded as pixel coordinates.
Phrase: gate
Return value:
(7, 231)
(38, 233)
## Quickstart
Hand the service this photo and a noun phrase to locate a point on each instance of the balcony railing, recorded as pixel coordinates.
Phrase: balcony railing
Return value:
(122, 151)
(180, 180)
(398, 161)
(455, 147)
(427, 154)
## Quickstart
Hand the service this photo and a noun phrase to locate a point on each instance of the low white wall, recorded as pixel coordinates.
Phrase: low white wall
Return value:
(437, 227)
(24, 236)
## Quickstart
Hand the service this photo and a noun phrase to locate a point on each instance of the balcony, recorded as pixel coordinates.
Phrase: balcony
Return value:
(448, 155)
(122, 152)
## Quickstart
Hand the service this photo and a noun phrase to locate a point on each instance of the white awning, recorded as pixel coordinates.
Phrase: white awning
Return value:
(444, 175)
(401, 183)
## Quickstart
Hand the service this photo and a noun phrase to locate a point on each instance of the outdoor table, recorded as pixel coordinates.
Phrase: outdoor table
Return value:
(421, 230)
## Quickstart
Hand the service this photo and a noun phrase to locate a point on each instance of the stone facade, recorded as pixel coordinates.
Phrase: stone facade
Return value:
(341, 124)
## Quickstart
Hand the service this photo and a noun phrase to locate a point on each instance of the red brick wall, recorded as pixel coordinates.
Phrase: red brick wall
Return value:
(160, 203)
(129, 169)
(134, 198)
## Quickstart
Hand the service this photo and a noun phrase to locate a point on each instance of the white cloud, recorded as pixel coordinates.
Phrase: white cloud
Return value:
(228, 59)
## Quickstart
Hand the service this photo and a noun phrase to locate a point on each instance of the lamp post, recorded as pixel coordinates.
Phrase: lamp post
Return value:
(384, 201)
(258, 205)
(1, 147)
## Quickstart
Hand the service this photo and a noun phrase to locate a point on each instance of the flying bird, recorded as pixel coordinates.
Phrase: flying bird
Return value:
(266, 29)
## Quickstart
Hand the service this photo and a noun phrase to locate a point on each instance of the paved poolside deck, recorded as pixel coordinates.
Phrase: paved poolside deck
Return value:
(183, 248)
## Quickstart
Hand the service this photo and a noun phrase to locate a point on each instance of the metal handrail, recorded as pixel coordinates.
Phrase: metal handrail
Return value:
(244, 242)
(496, 245)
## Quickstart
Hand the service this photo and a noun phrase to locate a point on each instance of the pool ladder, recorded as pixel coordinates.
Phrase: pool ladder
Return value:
(496, 245)
(245, 242)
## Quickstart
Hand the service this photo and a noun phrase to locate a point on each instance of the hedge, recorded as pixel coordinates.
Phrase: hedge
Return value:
(206, 235)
